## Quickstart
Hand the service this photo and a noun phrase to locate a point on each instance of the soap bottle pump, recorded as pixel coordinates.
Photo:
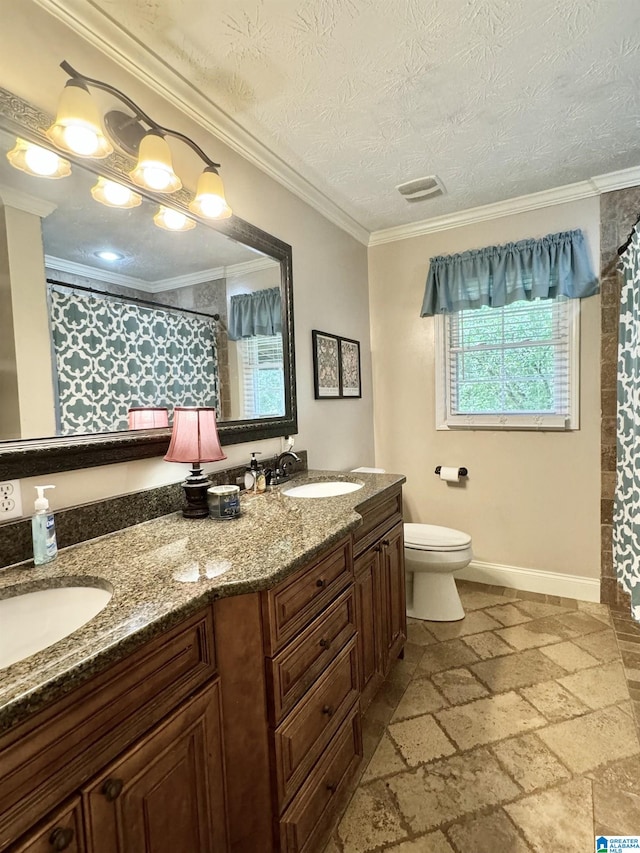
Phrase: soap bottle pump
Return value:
(43, 529)
(252, 473)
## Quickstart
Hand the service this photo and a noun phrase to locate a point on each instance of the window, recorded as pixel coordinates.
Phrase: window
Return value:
(509, 368)
(262, 379)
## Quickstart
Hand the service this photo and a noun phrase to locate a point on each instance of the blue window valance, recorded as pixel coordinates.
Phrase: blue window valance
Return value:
(258, 313)
(555, 265)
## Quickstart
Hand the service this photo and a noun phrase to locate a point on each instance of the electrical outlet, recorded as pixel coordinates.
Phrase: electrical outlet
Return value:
(10, 500)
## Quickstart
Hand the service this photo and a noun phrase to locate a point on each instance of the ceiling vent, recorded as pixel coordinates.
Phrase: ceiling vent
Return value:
(421, 189)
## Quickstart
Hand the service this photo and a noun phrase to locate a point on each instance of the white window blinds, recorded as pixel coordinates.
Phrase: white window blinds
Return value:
(511, 367)
(262, 380)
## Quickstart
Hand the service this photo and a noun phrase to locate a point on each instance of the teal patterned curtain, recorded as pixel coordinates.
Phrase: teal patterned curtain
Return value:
(626, 513)
(112, 354)
(258, 313)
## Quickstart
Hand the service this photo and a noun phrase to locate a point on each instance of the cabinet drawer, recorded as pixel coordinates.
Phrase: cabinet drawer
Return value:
(292, 604)
(378, 515)
(296, 668)
(313, 807)
(63, 831)
(47, 758)
(300, 740)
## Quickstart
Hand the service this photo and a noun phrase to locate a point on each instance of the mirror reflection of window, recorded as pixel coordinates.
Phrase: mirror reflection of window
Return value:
(262, 377)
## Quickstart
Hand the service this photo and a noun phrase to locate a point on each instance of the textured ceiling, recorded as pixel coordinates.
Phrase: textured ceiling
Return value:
(499, 98)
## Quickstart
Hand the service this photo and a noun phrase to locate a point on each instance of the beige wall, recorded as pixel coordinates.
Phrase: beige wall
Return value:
(329, 266)
(532, 500)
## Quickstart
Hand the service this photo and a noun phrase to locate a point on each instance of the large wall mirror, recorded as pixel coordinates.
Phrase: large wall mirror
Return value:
(104, 315)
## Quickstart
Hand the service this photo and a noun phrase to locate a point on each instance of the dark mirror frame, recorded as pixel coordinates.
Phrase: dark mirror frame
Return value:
(33, 457)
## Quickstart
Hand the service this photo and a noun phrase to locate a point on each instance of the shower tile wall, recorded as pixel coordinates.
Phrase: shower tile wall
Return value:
(618, 212)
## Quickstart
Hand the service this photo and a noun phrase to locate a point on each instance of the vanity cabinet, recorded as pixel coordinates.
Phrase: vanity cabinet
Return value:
(62, 831)
(380, 590)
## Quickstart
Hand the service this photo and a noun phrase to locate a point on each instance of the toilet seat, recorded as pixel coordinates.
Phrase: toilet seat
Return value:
(431, 537)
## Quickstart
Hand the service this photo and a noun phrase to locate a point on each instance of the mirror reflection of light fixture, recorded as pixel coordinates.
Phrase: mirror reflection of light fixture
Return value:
(37, 161)
(77, 128)
(114, 194)
(138, 135)
(173, 220)
(148, 417)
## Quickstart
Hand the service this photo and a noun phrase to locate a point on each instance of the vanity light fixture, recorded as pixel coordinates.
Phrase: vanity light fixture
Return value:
(139, 136)
(173, 220)
(37, 161)
(114, 194)
(195, 439)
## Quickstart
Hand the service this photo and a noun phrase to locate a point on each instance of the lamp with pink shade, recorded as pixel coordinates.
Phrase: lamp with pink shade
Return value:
(148, 417)
(195, 440)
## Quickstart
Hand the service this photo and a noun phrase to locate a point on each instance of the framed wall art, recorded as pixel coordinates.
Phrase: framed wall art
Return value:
(350, 383)
(326, 365)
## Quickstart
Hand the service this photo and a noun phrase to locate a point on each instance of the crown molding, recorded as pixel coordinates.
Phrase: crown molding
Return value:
(107, 36)
(509, 207)
(62, 265)
(11, 197)
(249, 267)
(178, 281)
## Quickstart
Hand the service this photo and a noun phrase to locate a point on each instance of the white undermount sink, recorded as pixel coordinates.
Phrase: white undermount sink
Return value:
(32, 621)
(326, 489)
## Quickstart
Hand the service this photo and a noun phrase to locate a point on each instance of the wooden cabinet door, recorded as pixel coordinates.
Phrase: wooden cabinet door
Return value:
(166, 793)
(62, 831)
(369, 615)
(394, 591)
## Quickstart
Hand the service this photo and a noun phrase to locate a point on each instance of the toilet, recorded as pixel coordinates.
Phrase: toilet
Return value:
(432, 554)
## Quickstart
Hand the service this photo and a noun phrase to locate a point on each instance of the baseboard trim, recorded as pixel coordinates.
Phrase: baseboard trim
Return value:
(532, 580)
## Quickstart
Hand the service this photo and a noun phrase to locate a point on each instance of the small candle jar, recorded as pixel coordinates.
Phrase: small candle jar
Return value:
(224, 502)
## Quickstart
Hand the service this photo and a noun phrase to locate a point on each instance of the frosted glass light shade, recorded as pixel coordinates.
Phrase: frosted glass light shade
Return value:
(37, 161)
(195, 436)
(148, 417)
(154, 170)
(210, 201)
(173, 220)
(113, 194)
(77, 128)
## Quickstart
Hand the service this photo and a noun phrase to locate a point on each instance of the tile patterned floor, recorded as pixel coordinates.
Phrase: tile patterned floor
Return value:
(512, 731)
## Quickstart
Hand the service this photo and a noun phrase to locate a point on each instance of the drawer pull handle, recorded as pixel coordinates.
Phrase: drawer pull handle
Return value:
(325, 644)
(377, 548)
(385, 541)
(112, 789)
(328, 710)
(61, 838)
(321, 583)
(331, 786)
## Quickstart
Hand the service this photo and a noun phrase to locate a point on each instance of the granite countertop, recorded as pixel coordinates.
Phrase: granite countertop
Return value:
(163, 570)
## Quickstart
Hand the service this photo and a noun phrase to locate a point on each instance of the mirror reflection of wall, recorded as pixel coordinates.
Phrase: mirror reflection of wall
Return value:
(85, 337)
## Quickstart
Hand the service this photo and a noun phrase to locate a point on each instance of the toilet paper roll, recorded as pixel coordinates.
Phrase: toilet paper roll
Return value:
(451, 475)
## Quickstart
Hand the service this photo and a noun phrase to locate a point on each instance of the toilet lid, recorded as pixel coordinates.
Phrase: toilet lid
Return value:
(429, 537)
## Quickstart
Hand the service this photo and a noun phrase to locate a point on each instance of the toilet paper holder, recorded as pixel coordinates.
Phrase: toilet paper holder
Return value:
(462, 472)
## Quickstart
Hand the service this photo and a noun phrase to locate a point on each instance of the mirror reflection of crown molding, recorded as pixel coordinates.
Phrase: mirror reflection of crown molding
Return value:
(11, 197)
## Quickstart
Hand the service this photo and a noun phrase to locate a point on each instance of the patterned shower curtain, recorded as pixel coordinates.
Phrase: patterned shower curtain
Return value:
(112, 354)
(626, 517)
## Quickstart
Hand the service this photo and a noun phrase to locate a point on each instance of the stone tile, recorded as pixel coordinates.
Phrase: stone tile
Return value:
(615, 812)
(602, 645)
(508, 615)
(474, 599)
(434, 842)
(488, 720)
(487, 645)
(459, 685)
(531, 635)
(445, 656)
(530, 762)
(420, 740)
(490, 833)
(569, 656)
(578, 623)
(386, 701)
(594, 739)
(385, 760)
(623, 775)
(517, 670)
(539, 609)
(372, 731)
(371, 819)
(552, 700)
(418, 633)
(413, 653)
(420, 697)
(559, 819)
(600, 686)
(449, 789)
(473, 623)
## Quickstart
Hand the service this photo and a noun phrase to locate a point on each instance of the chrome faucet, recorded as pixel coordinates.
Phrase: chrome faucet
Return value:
(279, 473)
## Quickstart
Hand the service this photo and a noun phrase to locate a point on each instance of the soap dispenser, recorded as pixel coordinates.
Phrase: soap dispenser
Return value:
(252, 473)
(43, 529)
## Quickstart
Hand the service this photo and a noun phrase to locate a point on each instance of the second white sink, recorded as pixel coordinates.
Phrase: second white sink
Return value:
(32, 621)
(326, 489)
